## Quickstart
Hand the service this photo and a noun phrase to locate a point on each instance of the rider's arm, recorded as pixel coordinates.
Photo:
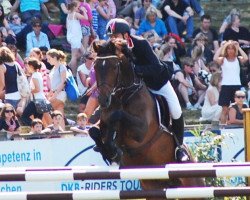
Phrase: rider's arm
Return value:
(153, 64)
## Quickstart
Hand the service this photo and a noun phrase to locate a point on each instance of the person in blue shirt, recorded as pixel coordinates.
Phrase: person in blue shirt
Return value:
(154, 22)
(36, 38)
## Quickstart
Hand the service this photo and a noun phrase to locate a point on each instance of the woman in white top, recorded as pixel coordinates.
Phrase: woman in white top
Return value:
(227, 57)
(211, 109)
(36, 85)
(57, 78)
(74, 32)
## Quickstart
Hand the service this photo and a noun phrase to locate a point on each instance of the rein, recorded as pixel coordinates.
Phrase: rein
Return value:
(126, 92)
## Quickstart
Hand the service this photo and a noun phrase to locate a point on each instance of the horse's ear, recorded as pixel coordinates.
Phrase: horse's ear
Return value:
(96, 46)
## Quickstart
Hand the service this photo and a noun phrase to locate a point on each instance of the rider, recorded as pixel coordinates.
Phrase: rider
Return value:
(148, 66)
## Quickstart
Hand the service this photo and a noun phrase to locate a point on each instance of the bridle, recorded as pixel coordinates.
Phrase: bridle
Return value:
(125, 92)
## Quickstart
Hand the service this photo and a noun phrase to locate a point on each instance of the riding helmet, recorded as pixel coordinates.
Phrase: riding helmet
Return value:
(117, 25)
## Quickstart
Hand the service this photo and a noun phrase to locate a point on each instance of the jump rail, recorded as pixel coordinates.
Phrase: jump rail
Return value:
(202, 192)
(95, 172)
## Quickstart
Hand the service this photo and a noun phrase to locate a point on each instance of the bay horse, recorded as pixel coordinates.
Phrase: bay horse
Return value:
(128, 112)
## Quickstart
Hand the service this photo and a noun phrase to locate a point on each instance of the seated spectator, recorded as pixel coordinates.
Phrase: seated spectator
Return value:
(210, 33)
(20, 30)
(178, 17)
(237, 32)
(227, 22)
(197, 56)
(235, 114)
(36, 126)
(195, 5)
(2, 43)
(4, 24)
(131, 25)
(211, 109)
(129, 8)
(30, 9)
(141, 13)
(152, 22)
(201, 40)
(177, 48)
(55, 127)
(8, 120)
(213, 67)
(190, 87)
(81, 124)
(36, 38)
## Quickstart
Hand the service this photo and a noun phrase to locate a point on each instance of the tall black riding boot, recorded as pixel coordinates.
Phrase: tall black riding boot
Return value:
(178, 130)
(95, 134)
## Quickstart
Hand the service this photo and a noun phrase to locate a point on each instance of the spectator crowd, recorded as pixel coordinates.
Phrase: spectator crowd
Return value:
(209, 68)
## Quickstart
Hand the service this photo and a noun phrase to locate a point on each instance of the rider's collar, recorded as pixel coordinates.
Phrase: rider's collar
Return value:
(130, 43)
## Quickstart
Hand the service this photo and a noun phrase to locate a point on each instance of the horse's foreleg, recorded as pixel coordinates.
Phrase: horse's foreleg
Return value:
(136, 126)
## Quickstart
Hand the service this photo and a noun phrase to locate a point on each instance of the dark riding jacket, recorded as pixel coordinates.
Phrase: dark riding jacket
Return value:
(147, 65)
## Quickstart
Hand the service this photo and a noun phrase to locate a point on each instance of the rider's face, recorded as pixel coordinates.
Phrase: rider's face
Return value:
(116, 36)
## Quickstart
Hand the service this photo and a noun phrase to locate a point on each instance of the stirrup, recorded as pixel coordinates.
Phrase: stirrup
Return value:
(181, 154)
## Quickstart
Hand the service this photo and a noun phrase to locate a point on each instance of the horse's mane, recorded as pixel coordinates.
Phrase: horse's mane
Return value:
(111, 47)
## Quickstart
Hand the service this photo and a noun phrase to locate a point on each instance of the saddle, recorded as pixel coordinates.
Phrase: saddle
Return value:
(162, 110)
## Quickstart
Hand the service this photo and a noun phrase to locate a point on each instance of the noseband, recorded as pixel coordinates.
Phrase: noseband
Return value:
(127, 91)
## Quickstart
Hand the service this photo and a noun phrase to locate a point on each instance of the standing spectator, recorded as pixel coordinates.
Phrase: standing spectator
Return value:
(57, 95)
(227, 57)
(81, 77)
(153, 22)
(63, 4)
(235, 115)
(8, 120)
(36, 84)
(8, 77)
(92, 103)
(179, 16)
(37, 53)
(211, 109)
(104, 16)
(141, 13)
(86, 25)
(74, 32)
(36, 38)
(93, 4)
(210, 33)
(190, 87)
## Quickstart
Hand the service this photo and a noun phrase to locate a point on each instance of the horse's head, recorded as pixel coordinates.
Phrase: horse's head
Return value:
(113, 69)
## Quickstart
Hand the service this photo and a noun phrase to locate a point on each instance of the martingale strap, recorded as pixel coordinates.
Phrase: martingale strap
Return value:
(106, 57)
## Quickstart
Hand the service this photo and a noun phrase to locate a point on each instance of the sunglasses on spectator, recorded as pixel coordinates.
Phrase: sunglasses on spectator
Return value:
(242, 97)
(37, 25)
(16, 17)
(212, 70)
(8, 111)
(90, 58)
